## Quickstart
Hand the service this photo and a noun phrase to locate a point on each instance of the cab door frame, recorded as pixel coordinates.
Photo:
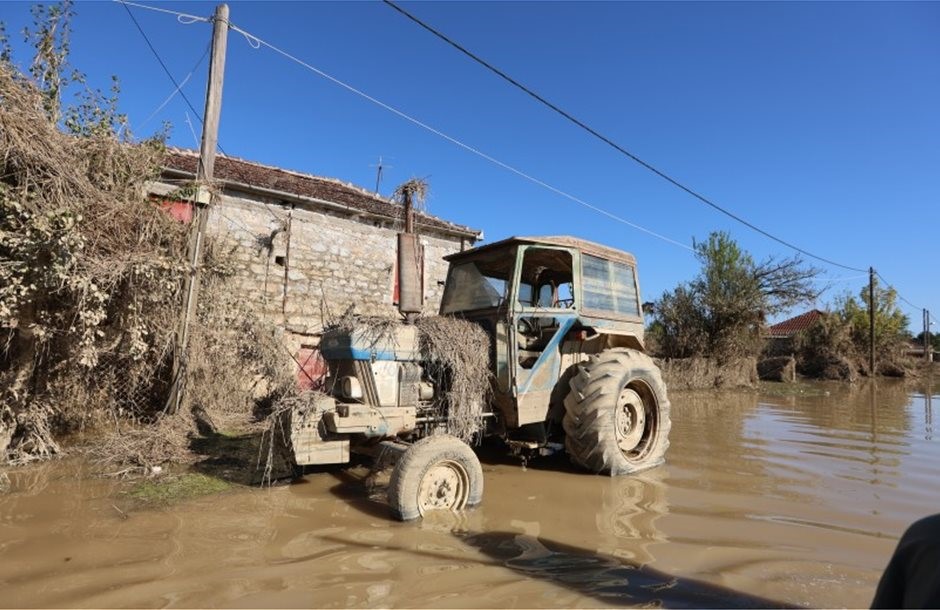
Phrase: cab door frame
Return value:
(531, 387)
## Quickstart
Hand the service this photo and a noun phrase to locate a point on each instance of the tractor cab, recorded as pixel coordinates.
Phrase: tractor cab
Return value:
(542, 299)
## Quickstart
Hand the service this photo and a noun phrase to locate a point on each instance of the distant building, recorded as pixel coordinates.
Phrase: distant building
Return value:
(788, 328)
(916, 350)
(780, 335)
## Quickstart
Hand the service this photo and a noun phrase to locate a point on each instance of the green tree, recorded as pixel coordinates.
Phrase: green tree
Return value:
(891, 323)
(51, 37)
(838, 346)
(678, 327)
(721, 311)
(95, 112)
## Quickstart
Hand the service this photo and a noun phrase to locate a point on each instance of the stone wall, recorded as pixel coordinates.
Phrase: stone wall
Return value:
(299, 266)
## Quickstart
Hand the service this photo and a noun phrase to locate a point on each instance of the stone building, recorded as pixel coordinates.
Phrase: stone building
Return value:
(307, 247)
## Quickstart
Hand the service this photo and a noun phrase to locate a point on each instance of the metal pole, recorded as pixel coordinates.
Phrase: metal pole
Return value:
(871, 321)
(204, 196)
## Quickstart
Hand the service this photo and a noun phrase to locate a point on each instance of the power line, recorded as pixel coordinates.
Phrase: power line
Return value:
(191, 19)
(157, 55)
(256, 42)
(184, 18)
(608, 141)
(888, 284)
(178, 89)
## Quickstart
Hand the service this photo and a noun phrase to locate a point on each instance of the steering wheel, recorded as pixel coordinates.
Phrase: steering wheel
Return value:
(529, 326)
(564, 303)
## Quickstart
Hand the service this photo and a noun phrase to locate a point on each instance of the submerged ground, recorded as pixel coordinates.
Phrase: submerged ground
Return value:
(793, 495)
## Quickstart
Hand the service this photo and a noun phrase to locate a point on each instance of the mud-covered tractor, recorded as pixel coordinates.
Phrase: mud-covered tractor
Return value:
(568, 371)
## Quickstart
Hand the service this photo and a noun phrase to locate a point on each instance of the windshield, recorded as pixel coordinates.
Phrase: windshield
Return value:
(479, 284)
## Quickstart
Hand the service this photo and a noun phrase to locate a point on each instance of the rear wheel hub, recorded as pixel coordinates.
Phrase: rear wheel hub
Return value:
(629, 420)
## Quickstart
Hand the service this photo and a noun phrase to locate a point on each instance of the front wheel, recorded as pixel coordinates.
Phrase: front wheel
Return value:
(437, 473)
(617, 413)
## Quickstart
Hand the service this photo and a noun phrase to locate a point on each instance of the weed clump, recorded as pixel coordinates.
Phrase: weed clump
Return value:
(456, 354)
(176, 488)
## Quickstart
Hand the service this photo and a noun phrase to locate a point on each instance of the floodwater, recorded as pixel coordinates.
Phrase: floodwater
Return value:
(765, 501)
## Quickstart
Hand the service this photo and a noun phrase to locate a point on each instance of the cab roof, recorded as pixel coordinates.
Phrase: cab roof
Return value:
(564, 241)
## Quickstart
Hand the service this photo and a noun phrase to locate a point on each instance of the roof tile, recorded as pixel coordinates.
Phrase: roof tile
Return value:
(790, 327)
(304, 185)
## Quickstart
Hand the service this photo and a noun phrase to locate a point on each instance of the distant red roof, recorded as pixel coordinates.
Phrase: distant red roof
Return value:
(790, 327)
(233, 169)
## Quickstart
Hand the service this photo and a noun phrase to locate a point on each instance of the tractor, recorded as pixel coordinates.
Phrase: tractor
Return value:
(568, 366)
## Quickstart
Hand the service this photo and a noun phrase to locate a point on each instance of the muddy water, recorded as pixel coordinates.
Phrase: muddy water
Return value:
(765, 501)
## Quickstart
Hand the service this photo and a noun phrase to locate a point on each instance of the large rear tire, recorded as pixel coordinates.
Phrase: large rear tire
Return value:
(439, 472)
(617, 413)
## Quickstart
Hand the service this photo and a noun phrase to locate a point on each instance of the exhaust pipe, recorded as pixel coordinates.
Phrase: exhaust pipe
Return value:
(410, 267)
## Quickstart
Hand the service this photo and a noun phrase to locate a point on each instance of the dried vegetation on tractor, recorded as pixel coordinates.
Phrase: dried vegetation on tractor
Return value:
(455, 354)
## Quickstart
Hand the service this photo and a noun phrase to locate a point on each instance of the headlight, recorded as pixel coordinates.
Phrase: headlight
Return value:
(350, 388)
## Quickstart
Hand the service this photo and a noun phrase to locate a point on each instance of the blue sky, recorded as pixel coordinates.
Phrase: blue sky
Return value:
(817, 122)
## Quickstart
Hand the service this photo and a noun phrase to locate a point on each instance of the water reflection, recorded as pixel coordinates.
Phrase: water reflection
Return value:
(926, 395)
(928, 417)
(627, 515)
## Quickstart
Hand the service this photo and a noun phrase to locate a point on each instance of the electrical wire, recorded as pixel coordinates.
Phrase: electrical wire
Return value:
(188, 20)
(541, 99)
(153, 50)
(900, 297)
(184, 18)
(257, 42)
(178, 89)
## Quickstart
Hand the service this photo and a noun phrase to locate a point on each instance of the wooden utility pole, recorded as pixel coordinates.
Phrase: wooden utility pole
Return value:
(871, 321)
(204, 198)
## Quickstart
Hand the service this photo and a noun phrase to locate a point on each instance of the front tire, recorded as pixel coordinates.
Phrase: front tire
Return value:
(617, 413)
(439, 472)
